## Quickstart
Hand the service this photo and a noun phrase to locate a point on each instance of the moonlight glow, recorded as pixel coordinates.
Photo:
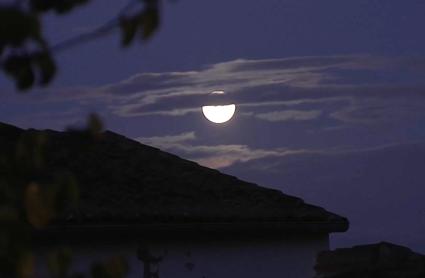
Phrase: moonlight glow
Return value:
(219, 113)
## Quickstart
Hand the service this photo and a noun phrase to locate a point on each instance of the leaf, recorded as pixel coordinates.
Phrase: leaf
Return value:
(25, 67)
(17, 26)
(94, 126)
(38, 208)
(46, 67)
(146, 22)
(128, 30)
(150, 22)
(59, 6)
(19, 67)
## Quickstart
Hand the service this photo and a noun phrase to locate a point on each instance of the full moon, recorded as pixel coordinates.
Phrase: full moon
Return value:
(219, 113)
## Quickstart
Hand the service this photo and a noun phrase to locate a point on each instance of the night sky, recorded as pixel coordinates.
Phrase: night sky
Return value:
(330, 99)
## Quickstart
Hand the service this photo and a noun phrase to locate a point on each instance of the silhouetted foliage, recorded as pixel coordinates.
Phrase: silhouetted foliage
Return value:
(145, 22)
(27, 57)
(31, 197)
(59, 6)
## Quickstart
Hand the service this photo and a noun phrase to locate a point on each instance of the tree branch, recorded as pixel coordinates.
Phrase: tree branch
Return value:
(98, 32)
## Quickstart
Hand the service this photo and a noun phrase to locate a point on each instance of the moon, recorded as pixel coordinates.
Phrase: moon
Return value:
(219, 113)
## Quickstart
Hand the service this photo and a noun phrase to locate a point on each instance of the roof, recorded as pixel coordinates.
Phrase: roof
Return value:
(125, 183)
(373, 260)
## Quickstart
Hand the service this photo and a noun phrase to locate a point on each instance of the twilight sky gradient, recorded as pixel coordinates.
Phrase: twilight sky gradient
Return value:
(330, 95)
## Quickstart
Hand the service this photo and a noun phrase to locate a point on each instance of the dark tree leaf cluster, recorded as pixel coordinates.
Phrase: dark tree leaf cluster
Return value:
(29, 68)
(59, 6)
(18, 31)
(27, 57)
(32, 197)
(145, 23)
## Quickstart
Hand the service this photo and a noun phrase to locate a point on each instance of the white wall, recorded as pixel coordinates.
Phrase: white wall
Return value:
(289, 258)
